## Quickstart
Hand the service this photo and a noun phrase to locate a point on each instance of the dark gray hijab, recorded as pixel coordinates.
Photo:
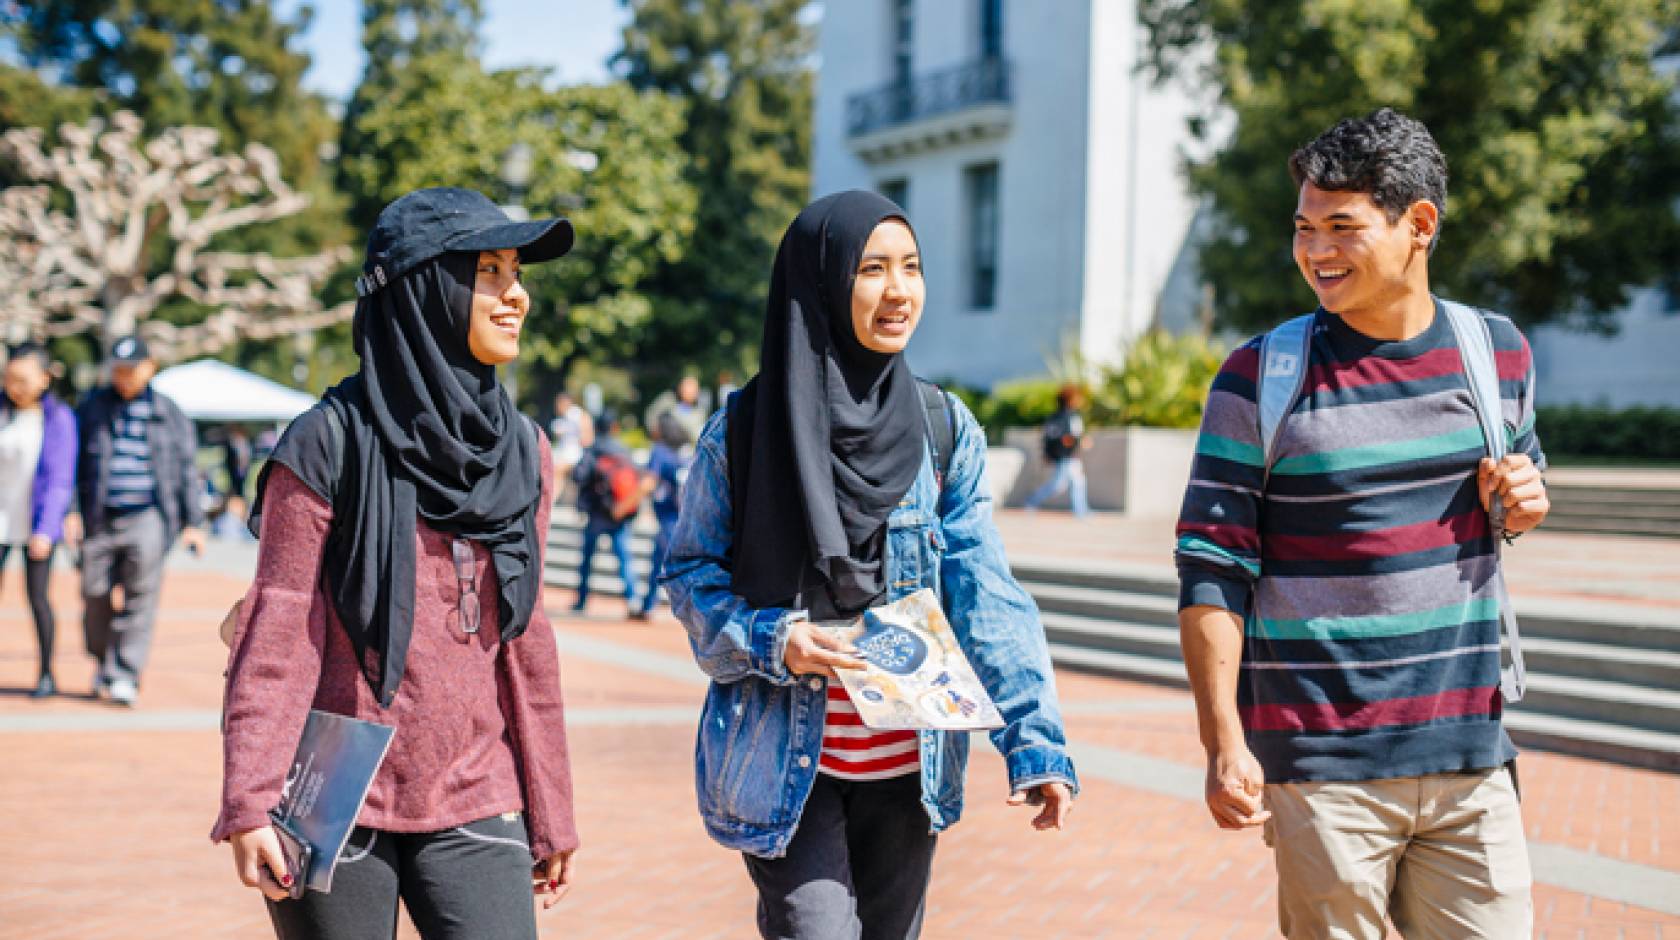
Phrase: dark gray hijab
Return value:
(829, 436)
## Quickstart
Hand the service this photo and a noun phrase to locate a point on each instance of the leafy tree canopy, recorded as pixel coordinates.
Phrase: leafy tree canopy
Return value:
(743, 69)
(1561, 132)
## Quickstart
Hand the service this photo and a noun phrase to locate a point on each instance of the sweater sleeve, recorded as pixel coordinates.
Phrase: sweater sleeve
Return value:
(1218, 551)
(536, 713)
(274, 664)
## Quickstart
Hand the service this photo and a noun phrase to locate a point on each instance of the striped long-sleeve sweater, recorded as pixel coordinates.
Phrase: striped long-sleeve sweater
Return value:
(1364, 571)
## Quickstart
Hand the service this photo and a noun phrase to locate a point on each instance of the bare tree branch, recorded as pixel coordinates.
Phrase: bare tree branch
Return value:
(86, 261)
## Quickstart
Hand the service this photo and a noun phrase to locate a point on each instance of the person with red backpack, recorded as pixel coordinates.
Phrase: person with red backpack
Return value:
(610, 493)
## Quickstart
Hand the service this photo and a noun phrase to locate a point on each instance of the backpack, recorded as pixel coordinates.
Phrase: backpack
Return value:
(616, 486)
(1061, 436)
(1284, 353)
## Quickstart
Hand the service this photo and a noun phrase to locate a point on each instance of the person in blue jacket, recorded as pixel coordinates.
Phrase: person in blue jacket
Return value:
(814, 497)
(37, 481)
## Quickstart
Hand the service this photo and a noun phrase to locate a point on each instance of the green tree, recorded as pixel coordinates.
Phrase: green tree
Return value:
(1561, 135)
(425, 112)
(742, 67)
(232, 65)
(610, 159)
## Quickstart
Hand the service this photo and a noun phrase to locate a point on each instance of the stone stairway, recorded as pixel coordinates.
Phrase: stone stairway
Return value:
(1603, 680)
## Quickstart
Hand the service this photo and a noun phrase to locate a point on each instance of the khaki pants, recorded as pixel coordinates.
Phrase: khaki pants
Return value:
(1443, 855)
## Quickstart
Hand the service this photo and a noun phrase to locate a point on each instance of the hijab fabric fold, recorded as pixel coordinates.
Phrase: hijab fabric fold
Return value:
(829, 436)
(428, 434)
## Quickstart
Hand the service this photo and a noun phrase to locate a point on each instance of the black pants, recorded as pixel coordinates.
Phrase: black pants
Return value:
(472, 882)
(857, 868)
(35, 575)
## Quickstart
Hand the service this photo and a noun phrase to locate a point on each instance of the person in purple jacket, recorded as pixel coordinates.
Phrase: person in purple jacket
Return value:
(37, 478)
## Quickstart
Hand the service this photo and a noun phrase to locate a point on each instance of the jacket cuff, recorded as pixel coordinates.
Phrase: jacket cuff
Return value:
(770, 628)
(1035, 764)
(1200, 587)
(237, 819)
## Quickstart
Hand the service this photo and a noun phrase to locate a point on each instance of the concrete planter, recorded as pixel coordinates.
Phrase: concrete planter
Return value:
(1138, 471)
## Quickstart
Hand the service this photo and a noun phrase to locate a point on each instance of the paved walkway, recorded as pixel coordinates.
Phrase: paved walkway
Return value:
(103, 812)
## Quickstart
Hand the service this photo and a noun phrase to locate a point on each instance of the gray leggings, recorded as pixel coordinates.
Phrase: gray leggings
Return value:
(472, 881)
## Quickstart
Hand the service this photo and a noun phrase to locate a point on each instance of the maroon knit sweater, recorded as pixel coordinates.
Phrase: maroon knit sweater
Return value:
(480, 729)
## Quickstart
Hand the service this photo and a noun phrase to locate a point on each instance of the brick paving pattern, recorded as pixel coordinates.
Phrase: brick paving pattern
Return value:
(103, 832)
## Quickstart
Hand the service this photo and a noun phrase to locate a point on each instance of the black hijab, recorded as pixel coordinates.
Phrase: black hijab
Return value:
(428, 433)
(829, 436)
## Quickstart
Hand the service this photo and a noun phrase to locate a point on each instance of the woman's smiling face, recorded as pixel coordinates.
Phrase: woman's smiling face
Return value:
(888, 292)
(499, 306)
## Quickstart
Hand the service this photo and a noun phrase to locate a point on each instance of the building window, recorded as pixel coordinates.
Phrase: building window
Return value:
(991, 29)
(903, 33)
(981, 184)
(897, 190)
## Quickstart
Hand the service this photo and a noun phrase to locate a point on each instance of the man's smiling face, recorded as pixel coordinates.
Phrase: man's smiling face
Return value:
(1353, 256)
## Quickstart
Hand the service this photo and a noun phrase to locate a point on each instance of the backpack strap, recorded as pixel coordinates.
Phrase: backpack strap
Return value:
(941, 423)
(1282, 374)
(335, 451)
(1481, 370)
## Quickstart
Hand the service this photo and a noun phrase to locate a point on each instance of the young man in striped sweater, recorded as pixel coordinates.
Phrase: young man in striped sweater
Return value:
(1338, 612)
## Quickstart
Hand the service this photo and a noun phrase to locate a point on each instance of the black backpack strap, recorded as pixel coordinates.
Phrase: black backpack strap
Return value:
(335, 450)
(941, 428)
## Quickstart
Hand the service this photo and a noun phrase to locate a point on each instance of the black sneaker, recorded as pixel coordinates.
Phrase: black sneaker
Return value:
(46, 688)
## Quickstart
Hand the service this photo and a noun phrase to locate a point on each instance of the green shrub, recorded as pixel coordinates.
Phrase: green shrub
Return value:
(1162, 384)
(1648, 433)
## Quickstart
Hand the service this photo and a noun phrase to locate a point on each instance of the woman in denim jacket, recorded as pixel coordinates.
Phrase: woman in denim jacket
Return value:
(814, 497)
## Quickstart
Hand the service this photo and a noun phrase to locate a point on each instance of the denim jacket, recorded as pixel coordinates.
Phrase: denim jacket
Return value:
(761, 727)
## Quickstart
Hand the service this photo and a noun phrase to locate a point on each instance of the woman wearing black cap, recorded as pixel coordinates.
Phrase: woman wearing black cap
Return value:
(833, 483)
(398, 581)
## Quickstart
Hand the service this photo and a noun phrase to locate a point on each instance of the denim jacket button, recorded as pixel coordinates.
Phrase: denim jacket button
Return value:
(804, 761)
(815, 684)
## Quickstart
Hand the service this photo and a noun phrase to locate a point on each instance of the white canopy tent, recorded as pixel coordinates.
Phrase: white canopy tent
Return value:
(212, 390)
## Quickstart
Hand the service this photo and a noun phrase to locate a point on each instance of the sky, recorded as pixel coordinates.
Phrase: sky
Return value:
(572, 37)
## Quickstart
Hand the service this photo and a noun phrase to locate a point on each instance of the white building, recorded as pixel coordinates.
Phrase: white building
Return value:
(1041, 170)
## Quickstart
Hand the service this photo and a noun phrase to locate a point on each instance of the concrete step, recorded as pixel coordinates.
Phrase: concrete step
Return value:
(1658, 669)
(1614, 703)
(1108, 605)
(1119, 665)
(1637, 747)
(1583, 525)
(1135, 639)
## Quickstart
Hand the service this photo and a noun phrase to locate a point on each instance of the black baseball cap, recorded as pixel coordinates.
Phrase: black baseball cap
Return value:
(128, 351)
(428, 222)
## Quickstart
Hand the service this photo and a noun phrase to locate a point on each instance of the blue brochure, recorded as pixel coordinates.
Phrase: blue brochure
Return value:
(336, 760)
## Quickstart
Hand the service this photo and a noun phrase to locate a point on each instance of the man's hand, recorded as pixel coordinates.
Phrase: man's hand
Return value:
(1235, 784)
(259, 862)
(73, 530)
(192, 539)
(814, 651)
(1516, 483)
(553, 877)
(39, 548)
(1056, 800)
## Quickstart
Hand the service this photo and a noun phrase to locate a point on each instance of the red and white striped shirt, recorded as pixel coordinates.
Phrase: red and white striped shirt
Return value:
(852, 751)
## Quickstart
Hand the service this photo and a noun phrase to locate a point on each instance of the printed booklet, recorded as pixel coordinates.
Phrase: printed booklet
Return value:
(918, 677)
(336, 760)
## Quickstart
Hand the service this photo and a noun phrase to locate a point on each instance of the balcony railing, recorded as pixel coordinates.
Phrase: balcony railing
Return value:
(985, 81)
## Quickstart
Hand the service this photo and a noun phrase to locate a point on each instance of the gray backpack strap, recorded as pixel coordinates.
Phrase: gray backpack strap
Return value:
(1475, 346)
(1283, 372)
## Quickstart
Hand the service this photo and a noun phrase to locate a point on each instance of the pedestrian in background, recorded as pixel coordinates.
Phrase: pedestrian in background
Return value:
(37, 481)
(139, 489)
(412, 598)
(1340, 596)
(1063, 439)
(667, 468)
(814, 496)
(573, 433)
(684, 403)
(610, 493)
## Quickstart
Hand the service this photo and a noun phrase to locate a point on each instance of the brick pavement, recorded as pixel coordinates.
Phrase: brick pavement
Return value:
(102, 833)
